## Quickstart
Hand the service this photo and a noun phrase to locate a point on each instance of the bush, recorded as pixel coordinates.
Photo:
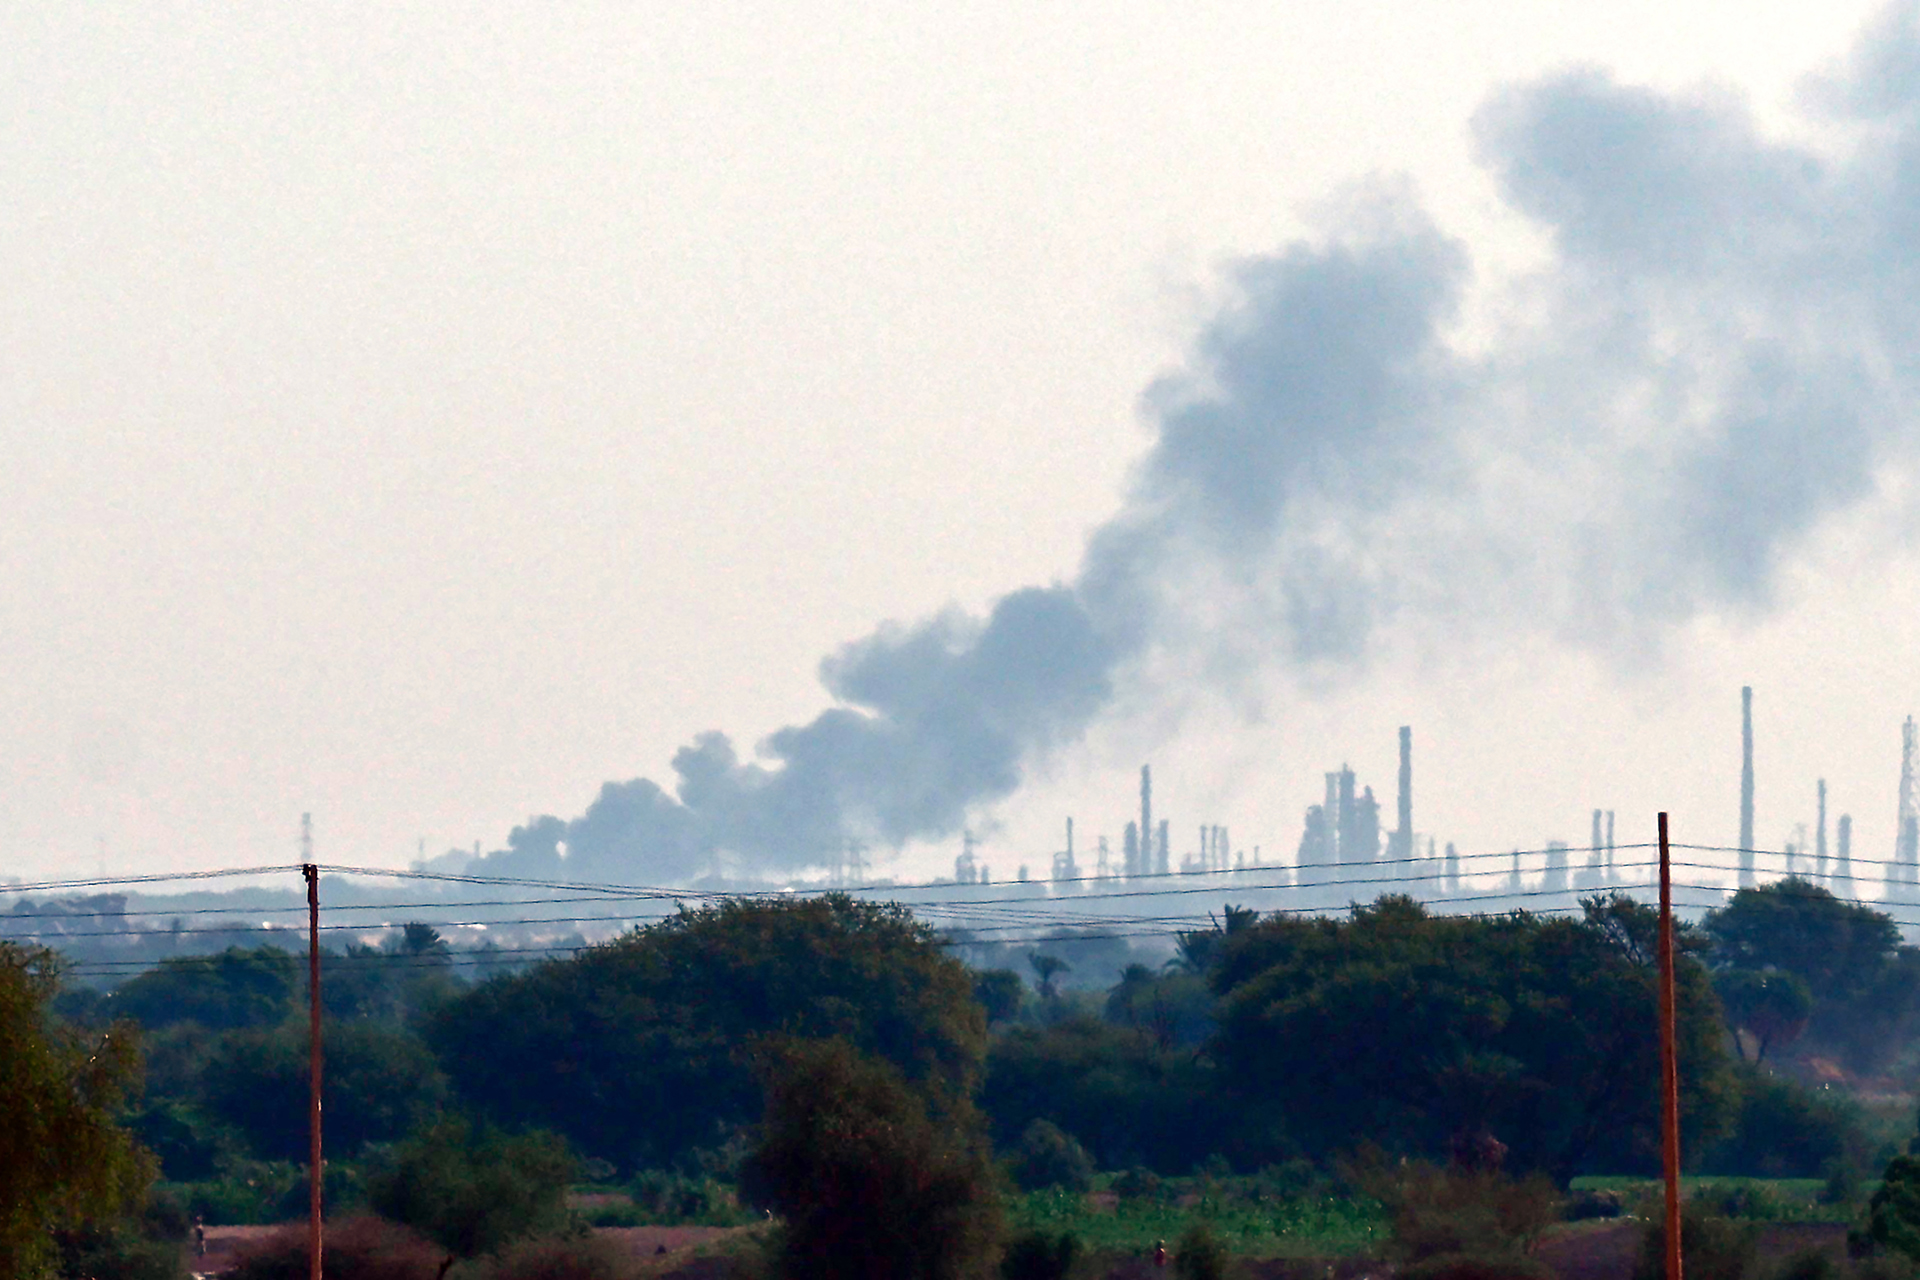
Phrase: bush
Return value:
(868, 1181)
(1453, 1213)
(1711, 1248)
(1139, 1184)
(247, 1193)
(1583, 1205)
(121, 1252)
(670, 1199)
(1809, 1264)
(359, 1248)
(1199, 1255)
(582, 1258)
(1785, 1130)
(1048, 1156)
(474, 1190)
(1893, 1215)
(1038, 1256)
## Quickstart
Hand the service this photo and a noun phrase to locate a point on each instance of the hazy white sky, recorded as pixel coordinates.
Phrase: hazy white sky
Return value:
(421, 414)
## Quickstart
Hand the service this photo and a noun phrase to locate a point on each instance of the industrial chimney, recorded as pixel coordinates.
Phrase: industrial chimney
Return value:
(1146, 820)
(1402, 845)
(1746, 787)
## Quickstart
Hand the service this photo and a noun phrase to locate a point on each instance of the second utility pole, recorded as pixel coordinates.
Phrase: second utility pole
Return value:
(312, 873)
(1669, 1062)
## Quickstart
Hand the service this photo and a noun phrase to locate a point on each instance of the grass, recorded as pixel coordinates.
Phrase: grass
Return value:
(1305, 1226)
(1753, 1199)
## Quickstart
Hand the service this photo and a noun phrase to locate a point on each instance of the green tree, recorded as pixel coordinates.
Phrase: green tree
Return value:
(1399, 1026)
(871, 1182)
(1048, 1156)
(1865, 986)
(1001, 993)
(63, 1160)
(474, 1190)
(236, 988)
(380, 1081)
(1129, 1098)
(1771, 1006)
(1834, 946)
(1893, 1215)
(641, 1051)
(1047, 968)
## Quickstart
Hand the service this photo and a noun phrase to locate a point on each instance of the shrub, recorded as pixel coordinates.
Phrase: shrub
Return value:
(1583, 1205)
(1711, 1247)
(1199, 1255)
(1809, 1264)
(247, 1193)
(1893, 1215)
(120, 1252)
(1038, 1256)
(1138, 1184)
(359, 1248)
(1048, 1156)
(474, 1190)
(670, 1199)
(868, 1181)
(1785, 1130)
(1447, 1212)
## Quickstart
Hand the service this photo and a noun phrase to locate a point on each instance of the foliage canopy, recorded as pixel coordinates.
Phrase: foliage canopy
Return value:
(650, 1038)
(63, 1160)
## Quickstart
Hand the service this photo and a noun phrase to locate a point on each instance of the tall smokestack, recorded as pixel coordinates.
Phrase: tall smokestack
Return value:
(1820, 837)
(1349, 845)
(1146, 819)
(1403, 833)
(1746, 787)
(1610, 845)
(1842, 883)
(1160, 855)
(1331, 814)
(1906, 850)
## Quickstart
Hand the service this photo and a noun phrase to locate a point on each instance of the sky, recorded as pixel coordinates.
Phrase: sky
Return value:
(424, 419)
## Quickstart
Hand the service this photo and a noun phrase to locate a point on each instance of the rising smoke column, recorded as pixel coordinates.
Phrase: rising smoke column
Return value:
(1720, 355)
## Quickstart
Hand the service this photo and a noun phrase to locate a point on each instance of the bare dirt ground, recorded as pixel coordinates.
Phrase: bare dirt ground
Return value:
(224, 1243)
(1607, 1252)
(651, 1242)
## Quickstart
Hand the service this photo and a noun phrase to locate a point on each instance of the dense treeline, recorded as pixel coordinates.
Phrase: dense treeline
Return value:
(1268, 1043)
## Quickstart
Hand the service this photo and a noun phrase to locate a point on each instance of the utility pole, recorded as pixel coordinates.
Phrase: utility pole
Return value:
(312, 874)
(1669, 1063)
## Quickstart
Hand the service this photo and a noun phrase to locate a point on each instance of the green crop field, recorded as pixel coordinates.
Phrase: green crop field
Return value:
(1306, 1226)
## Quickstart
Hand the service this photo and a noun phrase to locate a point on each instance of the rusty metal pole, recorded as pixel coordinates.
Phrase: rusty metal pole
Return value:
(312, 874)
(1669, 1061)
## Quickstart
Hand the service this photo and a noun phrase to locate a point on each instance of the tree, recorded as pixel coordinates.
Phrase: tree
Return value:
(63, 1160)
(1771, 1006)
(871, 1183)
(1834, 946)
(474, 1190)
(1126, 1096)
(641, 1050)
(1865, 986)
(1000, 992)
(1200, 949)
(236, 988)
(379, 1083)
(1047, 968)
(1421, 1031)
(1893, 1215)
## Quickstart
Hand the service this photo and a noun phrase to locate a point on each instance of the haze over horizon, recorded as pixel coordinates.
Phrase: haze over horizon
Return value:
(423, 422)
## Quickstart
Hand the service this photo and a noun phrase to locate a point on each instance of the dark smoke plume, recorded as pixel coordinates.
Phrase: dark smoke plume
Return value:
(1721, 354)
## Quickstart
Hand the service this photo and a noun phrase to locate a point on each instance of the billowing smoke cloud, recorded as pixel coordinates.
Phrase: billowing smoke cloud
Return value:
(1721, 355)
